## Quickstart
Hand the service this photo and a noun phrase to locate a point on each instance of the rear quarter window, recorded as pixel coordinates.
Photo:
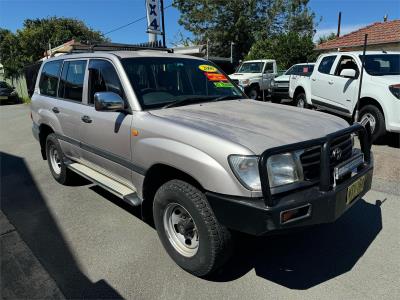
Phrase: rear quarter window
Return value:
(49, 78)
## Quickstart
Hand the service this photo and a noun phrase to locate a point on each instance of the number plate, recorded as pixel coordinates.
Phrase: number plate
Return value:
(355, 189)
(3, 97)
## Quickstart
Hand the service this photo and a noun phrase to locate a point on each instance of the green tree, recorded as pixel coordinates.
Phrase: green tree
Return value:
(287, 48)
(326, 37)
(243, 21)
(29, 44)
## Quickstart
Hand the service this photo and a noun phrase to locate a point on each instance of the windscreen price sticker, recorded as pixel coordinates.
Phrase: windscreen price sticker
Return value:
(223, 84)
(208, 68)
(216, 77)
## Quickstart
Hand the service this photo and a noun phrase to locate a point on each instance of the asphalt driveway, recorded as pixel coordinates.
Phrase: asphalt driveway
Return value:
(94, 246)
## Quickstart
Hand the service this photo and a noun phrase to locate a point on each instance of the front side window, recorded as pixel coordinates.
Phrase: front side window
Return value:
(382, 64)
(49, 78)
(160, 81)
(326, 64)
(251, 67)
(71, 81)
(103, 78)
(269, 68)
(346, 62)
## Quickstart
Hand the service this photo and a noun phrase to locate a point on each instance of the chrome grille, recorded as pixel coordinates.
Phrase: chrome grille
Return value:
(311, 158)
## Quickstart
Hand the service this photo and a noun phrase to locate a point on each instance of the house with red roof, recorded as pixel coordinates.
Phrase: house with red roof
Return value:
(383, 36)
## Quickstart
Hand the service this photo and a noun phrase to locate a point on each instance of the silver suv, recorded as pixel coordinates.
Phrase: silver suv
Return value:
(172, 134)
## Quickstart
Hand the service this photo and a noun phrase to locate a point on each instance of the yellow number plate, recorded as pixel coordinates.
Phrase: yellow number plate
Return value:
(355, 189)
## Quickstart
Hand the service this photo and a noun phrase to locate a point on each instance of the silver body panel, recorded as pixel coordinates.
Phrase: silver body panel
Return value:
(196, 139)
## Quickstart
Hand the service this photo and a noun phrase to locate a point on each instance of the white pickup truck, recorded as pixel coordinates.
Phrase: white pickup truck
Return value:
(334, 84)
(255, 76)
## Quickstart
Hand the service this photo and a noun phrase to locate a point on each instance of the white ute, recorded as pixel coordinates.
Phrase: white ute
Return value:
(334, 84)
(255, 76)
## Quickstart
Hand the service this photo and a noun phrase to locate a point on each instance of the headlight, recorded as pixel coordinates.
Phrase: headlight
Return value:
(395, 89)
(272, 82)
(245, 169)
(284, 169)
(245, 82)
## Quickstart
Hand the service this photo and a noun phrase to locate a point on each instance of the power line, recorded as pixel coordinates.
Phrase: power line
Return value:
(130, 23)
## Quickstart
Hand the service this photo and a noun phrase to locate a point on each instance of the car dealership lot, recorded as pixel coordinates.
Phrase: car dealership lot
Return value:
(93, 245)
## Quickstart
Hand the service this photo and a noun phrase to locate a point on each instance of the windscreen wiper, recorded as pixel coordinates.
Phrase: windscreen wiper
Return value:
(228, 97)
(186, 101)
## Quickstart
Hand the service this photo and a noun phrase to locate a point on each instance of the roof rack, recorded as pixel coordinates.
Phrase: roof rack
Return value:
(156, 46)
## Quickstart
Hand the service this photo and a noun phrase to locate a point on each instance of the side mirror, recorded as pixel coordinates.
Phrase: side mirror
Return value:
(348, 73)
(108, 101)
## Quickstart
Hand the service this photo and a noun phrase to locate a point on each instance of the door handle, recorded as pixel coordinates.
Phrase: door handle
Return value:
(330, 82)
(313, 79)
(86, 119)
(55, 110)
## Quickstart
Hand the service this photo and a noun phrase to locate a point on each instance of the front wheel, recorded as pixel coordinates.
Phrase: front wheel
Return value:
(188, 229)
(301, 101)
(253, 93)
(373, 115)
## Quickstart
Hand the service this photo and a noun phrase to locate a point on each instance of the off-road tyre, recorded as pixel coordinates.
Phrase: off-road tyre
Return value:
(62, 174)
(214, 240)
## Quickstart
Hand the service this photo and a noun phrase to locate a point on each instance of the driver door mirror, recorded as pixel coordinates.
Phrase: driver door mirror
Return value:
(108, 101)
(348, 73)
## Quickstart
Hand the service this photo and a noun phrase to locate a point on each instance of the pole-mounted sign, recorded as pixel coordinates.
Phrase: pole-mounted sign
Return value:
(153, 16)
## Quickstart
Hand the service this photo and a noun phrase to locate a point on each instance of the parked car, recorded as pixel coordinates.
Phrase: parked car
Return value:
(334, 84)
(280, 85)
(254, 76)
(172, 134)
(7, 93)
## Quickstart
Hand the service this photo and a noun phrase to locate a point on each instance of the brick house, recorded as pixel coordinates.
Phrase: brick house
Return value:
(381, 36)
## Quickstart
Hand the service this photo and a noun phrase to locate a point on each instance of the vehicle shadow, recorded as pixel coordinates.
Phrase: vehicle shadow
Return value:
(309, 257)
(301, 259)
(26, 209)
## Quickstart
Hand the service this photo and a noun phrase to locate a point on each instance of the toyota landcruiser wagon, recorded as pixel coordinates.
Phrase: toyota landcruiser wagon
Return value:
(172, 134)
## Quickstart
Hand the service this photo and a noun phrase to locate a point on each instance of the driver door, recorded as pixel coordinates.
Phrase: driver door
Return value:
(267, 75)
(106, 135)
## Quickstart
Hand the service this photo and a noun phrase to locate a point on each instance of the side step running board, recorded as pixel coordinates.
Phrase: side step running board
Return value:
(127, 194)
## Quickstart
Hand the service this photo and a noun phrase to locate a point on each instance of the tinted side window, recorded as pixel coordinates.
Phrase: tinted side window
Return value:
(103, 78)
(71, 82)
(326, 64)
(49, 78)
(269, 68)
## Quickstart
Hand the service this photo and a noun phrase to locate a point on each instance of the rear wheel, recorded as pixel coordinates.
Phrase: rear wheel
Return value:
(56, 161)
(188, 229)
(373, 115)
(301, 101)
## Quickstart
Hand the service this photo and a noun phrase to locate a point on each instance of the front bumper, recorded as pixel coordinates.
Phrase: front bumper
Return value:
(252, 216)
(279, 92)
(321, 202)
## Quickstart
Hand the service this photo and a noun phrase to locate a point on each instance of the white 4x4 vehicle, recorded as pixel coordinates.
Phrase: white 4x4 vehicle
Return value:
(255, 76)
(334, 85)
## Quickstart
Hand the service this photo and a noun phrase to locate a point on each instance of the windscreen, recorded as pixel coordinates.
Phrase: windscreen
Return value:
(160, 81)
(251, 67)
(382, 64)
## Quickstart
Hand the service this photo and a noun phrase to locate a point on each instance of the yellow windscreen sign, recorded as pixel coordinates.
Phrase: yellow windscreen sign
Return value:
(208, 68)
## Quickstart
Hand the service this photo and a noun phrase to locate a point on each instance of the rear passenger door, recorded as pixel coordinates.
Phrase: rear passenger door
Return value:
(106, 138)
(66, 103)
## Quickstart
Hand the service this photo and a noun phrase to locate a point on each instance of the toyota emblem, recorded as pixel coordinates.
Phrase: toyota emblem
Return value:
(336, 153)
